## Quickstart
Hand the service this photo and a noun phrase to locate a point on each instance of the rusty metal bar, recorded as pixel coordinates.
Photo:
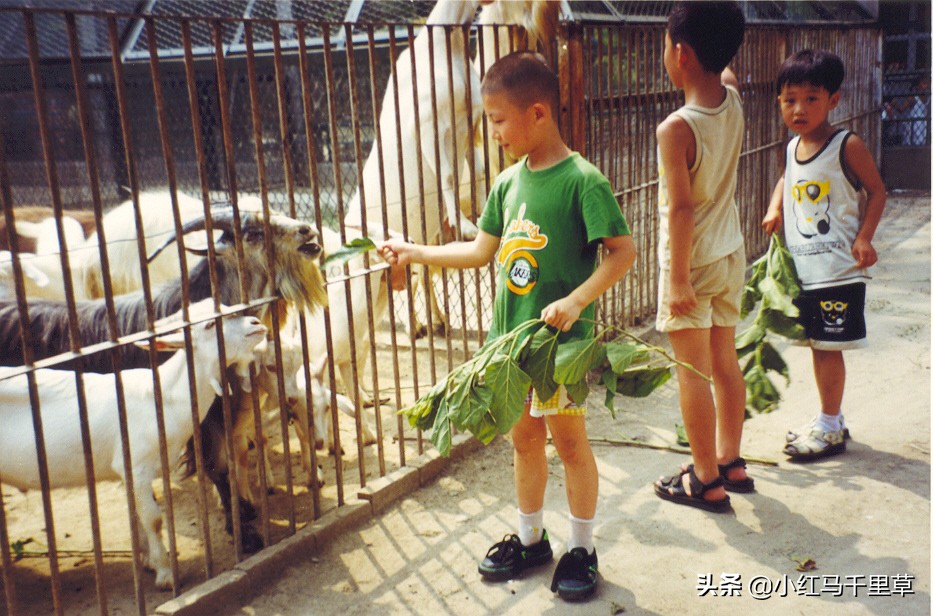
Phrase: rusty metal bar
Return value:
(308, 117)
(254, 104)
(428, 284)
(52, 179)
(193, 105)
(287, 163)
(420, 151)
(335, 150)
(385, 278)
(230, 163)
(355, 369)
(409, 292)
(78, 78)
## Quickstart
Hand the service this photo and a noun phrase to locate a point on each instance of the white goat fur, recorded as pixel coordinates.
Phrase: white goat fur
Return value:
(19, 467)
(43, 276)
(158, 223)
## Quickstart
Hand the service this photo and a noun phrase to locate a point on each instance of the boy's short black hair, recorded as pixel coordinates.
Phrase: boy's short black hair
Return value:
(817, 67)
(714, 30)
(525, 78)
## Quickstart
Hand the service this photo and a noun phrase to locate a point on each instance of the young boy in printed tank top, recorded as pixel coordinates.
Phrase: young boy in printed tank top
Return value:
(829, 200)
(702, 249)
(546, 220)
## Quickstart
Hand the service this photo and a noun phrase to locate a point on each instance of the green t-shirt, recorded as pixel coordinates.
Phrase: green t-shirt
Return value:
(550, 223)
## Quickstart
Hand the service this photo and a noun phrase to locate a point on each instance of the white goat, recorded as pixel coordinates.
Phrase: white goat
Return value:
(43, 274)
(158, 223)
(19, 467)
(454, 115)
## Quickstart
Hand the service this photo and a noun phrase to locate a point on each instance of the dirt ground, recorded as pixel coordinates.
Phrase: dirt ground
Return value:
(862, 518)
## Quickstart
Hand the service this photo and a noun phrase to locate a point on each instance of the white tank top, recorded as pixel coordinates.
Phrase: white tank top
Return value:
(822, 215)
(718, 134)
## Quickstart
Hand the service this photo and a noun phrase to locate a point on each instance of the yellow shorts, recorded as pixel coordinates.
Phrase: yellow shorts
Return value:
(718, 287)
(559, 404)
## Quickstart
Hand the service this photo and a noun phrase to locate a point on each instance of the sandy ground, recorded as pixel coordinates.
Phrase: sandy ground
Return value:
(862, 518)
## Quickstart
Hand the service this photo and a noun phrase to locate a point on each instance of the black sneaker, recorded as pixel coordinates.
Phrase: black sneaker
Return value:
(508, 558)
(575, 576)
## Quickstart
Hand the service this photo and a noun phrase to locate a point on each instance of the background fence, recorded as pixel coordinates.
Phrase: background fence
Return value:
(285, 109)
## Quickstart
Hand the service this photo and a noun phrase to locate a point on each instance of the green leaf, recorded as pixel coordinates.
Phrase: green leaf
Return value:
(681, 432)
(349, 250)
(640, 382)
(751, 294)
(578, 391)
(610, 379)
(509, 385)
(622, 354)
(773, 297)
(442, 432)
(762, 396)
(539, 363)
(576, 358)
(747, 341)
(769, 359)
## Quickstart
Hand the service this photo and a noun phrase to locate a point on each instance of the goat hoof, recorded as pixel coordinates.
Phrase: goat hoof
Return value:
(440, 328)
(252, 540)
(420, 332)
(247, 511)
(164, 581)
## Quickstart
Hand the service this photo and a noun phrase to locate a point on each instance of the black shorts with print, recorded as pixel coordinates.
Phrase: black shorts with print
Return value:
(833, 314)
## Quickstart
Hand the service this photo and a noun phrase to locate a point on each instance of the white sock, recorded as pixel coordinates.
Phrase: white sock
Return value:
(830, 423)
(581, 534)
(530, 526)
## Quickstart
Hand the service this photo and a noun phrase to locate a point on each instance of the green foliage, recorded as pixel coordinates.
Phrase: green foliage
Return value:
(774, 285)
(486, 395)
(349, 250)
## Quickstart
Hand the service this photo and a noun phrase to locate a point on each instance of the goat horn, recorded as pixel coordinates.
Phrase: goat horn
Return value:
(221, 218)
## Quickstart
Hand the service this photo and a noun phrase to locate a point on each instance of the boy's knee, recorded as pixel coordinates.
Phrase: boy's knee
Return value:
(573, 451)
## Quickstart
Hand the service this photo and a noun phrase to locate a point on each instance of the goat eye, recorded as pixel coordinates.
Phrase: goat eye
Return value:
(253, 236)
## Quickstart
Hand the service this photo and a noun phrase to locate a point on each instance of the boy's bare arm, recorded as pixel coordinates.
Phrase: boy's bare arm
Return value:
(456, 254)
(674, 140)
(618, 257)
(859, 160)
(774, 217)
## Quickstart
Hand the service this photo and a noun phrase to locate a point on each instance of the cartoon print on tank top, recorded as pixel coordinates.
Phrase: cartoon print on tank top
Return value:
(811, 207)
(521, 238)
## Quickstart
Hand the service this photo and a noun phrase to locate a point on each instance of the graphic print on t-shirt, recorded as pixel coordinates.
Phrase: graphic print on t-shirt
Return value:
(521, 238)
(811, 207)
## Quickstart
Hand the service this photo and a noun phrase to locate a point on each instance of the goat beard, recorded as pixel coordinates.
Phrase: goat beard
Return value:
(299, 281)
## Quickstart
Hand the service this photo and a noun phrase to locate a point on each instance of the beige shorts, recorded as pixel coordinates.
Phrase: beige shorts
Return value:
(718, 287)
(559, 404)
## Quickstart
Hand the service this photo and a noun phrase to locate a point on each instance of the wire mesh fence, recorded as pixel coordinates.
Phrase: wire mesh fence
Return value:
(282, 111)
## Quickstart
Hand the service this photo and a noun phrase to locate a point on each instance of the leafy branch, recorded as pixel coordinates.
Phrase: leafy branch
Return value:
(486, 395)
(775, 285)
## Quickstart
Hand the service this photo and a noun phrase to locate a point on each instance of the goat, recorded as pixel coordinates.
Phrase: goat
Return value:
(34, 278)
(454, 115)
(38, 213)
(293, 275)
(158, 223)
(46, 258)
(19, 467)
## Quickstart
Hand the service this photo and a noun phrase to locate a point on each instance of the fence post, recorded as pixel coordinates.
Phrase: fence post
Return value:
(572, 99)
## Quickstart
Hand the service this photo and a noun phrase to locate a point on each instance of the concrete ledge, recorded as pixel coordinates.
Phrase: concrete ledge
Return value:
(382, 492)
(204, 597)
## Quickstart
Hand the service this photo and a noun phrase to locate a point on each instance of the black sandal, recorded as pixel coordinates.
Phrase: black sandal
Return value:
(736, 485)
(672, 489)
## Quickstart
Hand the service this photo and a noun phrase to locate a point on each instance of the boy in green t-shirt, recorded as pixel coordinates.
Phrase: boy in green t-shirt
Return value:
(543, 222)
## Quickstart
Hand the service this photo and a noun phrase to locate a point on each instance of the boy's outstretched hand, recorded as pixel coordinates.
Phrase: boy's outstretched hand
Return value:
(396, 253)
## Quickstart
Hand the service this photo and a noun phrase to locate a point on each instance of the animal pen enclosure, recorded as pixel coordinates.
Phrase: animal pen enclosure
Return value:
(97, 108)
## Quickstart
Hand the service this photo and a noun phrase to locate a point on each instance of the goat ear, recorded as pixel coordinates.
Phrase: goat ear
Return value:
(166, 342)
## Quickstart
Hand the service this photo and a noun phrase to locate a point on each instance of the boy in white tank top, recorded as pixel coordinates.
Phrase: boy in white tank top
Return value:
(829, 200)
(702, 250)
